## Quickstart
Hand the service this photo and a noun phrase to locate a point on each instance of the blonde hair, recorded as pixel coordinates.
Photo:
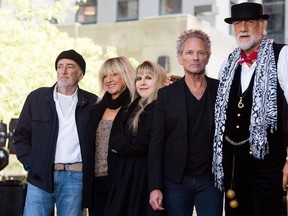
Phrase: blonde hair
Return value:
(158, 73)
(122, 66)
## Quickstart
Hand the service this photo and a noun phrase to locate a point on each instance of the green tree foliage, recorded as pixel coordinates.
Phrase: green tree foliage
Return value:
(29, 45)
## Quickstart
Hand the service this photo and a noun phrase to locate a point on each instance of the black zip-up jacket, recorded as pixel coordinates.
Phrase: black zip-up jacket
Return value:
(36, 133)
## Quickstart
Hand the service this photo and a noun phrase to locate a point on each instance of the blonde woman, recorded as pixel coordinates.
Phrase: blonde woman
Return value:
(117, 82)
(129, 194)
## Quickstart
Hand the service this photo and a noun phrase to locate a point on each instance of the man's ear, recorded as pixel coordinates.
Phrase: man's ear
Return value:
(80, 77)
(179, 57)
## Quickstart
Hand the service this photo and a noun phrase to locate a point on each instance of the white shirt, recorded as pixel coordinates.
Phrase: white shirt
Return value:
(282, 72)
(68, 145)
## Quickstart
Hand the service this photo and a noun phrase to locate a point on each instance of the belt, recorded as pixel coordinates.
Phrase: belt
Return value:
(68, 167)
(236, 143)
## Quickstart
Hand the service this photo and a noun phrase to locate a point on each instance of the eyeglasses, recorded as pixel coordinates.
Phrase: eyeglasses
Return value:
(248, 23)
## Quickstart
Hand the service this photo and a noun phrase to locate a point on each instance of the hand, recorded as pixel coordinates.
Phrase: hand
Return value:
(171, 79)
(285, 176)
(156, 200)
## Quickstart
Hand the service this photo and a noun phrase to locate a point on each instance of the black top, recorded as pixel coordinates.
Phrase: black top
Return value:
(169, 139)
(199, 142)
(129, 193)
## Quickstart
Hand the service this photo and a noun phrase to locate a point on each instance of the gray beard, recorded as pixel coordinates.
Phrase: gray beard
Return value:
(248, 45)
(245, 46)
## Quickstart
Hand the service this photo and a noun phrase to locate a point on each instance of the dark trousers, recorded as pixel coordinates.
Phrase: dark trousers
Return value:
(101, 188)
(257, 182)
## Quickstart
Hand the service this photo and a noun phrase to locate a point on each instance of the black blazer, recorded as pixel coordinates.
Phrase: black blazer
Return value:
(169, 139)
(88, 169)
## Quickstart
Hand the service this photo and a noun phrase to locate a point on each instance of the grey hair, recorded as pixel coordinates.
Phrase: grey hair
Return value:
(193, 33)
(264, 27)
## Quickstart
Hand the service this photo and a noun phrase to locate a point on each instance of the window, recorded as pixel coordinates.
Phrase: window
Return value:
(232, 2)
(127, 10)
(170, 7)
(87, 11)
(275, 27)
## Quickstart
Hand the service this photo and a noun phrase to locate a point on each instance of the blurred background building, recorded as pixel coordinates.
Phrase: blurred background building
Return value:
(148, 29)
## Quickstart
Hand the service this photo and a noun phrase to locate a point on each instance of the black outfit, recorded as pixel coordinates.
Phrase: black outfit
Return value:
(257, 183)
(172, 150)
(36, 133)
(199, 132)
(96, 189)
(129, 193)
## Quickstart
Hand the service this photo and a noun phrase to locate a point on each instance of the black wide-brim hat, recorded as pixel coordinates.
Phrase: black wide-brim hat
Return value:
(246, 11)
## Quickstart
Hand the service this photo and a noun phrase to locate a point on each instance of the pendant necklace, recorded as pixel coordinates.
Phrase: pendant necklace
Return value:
(240, 103)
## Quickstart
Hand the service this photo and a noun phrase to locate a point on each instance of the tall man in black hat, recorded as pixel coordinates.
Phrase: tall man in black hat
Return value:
(249, 148)
(49, 140)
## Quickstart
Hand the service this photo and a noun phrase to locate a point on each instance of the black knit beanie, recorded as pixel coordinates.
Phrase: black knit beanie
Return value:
(73, 55)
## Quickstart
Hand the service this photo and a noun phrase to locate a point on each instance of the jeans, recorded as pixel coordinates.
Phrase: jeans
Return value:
(67, 195)
(200, 191)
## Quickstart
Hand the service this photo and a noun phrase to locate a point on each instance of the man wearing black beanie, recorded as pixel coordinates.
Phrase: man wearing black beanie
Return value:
(73, 55)
(49, 140)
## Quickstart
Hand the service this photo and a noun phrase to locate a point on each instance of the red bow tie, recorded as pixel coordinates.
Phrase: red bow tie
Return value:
(249, 58)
